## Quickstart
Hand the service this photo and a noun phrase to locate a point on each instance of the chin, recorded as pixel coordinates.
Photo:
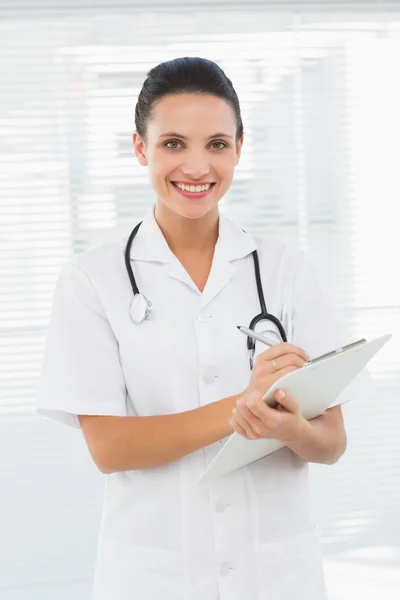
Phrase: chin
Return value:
(196, 212)
(190, 209)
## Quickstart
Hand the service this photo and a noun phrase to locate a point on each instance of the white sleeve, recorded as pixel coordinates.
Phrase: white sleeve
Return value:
(81, 371)
(317, 328)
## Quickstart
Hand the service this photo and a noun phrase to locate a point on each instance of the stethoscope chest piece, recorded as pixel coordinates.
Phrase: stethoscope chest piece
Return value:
(140, 309)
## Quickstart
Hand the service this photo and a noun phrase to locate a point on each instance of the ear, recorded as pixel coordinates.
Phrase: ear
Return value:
(239, 145)
(139, 149)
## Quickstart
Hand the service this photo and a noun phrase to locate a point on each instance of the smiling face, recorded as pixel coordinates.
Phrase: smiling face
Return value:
(190, 141)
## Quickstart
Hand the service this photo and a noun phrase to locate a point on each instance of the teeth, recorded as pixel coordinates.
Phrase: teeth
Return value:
(193, 188)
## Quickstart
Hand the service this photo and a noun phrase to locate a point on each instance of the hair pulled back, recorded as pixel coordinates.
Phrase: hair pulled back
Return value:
(180, 76)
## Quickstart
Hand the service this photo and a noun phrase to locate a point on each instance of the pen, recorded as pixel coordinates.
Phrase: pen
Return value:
(256, 336)
(264, 340)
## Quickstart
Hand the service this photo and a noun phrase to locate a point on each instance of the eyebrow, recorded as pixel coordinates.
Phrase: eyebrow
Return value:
(183, 137)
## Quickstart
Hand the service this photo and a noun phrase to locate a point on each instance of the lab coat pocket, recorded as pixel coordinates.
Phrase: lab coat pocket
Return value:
(291, 568)
(124, 572)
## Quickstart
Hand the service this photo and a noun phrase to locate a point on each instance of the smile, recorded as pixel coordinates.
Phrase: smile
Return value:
(193, 191)
(193, 188)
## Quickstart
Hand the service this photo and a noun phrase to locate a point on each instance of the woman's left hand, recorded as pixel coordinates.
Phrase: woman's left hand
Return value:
(254, 419)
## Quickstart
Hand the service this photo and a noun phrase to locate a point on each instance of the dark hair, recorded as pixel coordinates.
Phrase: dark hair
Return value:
(184, 75)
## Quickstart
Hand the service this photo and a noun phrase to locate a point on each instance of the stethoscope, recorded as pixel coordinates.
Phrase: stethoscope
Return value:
(141, 309)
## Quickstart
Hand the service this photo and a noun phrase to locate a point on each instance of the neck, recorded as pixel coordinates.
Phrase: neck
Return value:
(188, 236)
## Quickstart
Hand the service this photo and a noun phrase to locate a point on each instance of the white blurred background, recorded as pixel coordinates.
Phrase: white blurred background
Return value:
(319, 85)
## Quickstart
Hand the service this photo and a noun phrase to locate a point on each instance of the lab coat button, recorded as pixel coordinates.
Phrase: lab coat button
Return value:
(203, 317)
(209, 377)
(225, 569)
(221, 506)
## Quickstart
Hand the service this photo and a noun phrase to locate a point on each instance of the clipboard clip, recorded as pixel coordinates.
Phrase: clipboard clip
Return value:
(311, 361)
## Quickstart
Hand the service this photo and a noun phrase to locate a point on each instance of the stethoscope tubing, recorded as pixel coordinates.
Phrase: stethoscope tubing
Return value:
(146, 306)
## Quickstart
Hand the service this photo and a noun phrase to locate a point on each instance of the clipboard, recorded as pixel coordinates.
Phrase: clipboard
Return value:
(315, 386)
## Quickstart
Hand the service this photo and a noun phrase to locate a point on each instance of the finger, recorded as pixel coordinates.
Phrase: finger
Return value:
(241, 421)
(273, 377)
(238, 428)
(246, 418)
(286, 360)
(260, 411)
(235, 425)
(257, 415)
(266, 382)
(281, 349)
(287, 401)
(265, 413)
(250, 420)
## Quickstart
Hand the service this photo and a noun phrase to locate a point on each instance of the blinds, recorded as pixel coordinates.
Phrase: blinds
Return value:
(319, 85)
(319, 103)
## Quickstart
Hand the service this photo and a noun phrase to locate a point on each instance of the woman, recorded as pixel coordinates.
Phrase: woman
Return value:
(155, 399)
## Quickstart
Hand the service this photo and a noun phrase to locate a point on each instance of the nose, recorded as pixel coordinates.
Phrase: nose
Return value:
(195, 165)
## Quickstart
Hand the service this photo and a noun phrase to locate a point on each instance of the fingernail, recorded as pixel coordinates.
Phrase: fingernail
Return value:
(281, 394)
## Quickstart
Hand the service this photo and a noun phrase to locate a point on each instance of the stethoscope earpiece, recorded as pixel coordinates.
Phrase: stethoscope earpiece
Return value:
(140, 309)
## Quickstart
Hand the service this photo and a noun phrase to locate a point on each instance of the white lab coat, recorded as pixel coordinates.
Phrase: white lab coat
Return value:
(248, 534)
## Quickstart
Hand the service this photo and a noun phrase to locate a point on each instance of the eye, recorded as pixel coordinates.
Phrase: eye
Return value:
(224, 145)
(171, 142)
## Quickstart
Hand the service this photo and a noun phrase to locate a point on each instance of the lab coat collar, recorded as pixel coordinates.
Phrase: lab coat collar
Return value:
(150, 244)
(232, 243)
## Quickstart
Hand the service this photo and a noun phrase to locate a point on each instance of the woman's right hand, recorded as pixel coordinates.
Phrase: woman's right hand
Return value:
(271, 365)
(251, 417)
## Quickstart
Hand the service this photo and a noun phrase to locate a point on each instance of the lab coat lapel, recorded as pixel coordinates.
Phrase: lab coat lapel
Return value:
(150, 245)
(233, 243)
(177, 271)
(220, 273)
